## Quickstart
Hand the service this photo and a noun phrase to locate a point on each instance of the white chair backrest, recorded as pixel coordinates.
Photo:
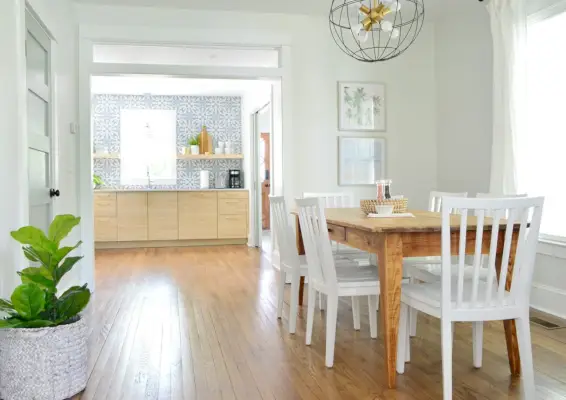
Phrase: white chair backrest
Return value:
(284, 236)
(333, 200)
(493, 293)
(435, 199)
(317, 243)
(498, 196)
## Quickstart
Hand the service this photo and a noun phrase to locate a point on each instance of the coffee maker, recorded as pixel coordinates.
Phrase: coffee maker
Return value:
(234, 179)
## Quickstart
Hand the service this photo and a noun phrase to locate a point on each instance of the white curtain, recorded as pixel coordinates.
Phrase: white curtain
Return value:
(509, 31)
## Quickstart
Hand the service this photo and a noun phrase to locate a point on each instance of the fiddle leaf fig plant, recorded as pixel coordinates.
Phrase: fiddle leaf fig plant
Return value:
(34, 303)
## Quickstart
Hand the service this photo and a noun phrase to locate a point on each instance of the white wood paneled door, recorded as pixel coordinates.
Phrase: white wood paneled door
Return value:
(39, 124)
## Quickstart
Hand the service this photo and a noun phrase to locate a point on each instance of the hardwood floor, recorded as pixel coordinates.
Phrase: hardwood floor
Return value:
(200, 323)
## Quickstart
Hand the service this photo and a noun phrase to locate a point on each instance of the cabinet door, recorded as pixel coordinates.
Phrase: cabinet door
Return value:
(163, 218)
(105, 204)
(132, 216)
(233, 226)
(105, 229)
(198, 215)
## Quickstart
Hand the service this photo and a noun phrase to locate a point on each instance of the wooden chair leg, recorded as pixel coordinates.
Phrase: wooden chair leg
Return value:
(526, 351)
(331, 316)
(477, 333)
(372, 306)
(294, 300)
(280, 293)
(356, 311)
(446, 333)
(402, 338)
(310, 314)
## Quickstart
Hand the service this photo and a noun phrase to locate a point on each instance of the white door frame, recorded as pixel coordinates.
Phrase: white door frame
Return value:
(88, 36)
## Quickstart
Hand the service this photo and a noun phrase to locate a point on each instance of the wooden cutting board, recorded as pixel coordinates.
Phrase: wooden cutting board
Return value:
(205, 142)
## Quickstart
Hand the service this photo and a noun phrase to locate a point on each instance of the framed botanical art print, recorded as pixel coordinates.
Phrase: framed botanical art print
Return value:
(361, 160)
(361, 106)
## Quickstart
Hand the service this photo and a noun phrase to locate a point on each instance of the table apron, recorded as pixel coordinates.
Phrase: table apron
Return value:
(415, 244)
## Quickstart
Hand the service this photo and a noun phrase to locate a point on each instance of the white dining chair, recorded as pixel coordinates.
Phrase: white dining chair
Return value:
(289, 261)
(476, 300)
(426, 269)
(330, 279)
(431, 271)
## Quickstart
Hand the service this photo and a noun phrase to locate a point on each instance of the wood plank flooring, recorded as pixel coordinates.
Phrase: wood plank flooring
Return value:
(200, 323)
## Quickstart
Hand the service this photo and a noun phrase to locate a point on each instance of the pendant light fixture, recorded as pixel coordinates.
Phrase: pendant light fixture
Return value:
(375, 30)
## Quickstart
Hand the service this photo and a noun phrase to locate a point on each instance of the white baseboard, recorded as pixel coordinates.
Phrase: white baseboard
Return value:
(549, 299)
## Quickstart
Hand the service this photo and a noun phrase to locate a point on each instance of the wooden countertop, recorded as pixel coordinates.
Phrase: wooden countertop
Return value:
(167, 190)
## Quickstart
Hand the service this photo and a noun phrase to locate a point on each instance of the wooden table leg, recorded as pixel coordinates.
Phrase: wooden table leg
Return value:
(509, 325)
(301, 251)
(390, 256)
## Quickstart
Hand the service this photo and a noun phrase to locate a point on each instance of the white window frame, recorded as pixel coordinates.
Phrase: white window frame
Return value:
(558, 7)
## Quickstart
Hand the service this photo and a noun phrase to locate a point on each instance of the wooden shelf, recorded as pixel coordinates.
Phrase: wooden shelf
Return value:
(210, 156)
(108, 155)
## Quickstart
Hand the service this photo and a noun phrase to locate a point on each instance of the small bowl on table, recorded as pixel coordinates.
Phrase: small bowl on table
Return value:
(384, 209)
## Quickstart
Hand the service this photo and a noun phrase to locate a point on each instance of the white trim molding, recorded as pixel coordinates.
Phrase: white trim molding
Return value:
(549, 299)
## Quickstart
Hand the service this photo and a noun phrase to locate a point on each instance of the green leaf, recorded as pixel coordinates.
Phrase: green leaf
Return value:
(39, 275)
(8, 323)
(36, 323)
(5, 305)
(62, 253)
(61, 226)
(35, 238)
(67, 265)
(28, 300)
(72, 302)
(37, 256)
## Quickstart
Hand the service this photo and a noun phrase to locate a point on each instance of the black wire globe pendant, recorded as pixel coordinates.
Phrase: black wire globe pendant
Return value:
(375, 30)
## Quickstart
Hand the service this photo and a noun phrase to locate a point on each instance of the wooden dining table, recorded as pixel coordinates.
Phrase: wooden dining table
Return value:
(392, 239)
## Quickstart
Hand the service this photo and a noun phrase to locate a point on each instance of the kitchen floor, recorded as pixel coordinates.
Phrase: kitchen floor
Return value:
(200, 323)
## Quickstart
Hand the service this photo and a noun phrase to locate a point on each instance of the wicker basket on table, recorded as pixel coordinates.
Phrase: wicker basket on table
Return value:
(399, 206)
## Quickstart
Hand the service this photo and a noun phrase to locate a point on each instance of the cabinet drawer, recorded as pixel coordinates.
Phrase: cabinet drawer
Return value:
(199, 227)
(132, 216)
(240, 194)
(105, 229)
(194, 202)
(162, 216)
(105, 204)
(337, 233)
(232, 206)
(232, 226)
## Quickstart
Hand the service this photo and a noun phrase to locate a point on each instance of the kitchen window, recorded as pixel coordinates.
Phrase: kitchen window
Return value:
(541, 148)
(148, 147)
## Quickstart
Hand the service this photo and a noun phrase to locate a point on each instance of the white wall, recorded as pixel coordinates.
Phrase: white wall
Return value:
(57, 17)
(463, 60)
(317, 65)
(464, 86)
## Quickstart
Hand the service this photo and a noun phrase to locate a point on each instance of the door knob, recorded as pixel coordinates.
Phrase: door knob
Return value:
(54, 193)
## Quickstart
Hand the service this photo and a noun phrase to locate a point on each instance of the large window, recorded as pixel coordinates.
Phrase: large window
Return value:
(148, 148)
(542, 149)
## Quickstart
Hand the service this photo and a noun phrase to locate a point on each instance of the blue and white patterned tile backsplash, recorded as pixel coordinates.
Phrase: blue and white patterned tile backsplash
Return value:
(222, 116)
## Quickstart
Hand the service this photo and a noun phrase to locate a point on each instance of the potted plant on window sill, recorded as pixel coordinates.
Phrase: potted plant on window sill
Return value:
(194, 144)
(43, 338)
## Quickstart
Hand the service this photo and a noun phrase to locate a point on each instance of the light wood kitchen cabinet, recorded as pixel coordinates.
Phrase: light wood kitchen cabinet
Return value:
(132, 216)
(233, 215)
(163, 216)
(105, 220)
(233, 226)
(198, 215)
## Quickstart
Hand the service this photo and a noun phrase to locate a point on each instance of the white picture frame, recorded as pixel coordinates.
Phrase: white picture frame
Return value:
(361, 106)
(361, 160)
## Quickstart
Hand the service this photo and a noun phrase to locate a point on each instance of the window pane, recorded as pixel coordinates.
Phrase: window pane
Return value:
(177, 55)
(37, 110)
(148, 148)
(541, 150)
(36, 60)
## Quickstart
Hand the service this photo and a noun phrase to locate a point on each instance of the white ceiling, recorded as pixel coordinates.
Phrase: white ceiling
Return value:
(310, 7)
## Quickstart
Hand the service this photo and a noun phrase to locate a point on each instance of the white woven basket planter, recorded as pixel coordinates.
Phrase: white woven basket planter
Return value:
(44, 363)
